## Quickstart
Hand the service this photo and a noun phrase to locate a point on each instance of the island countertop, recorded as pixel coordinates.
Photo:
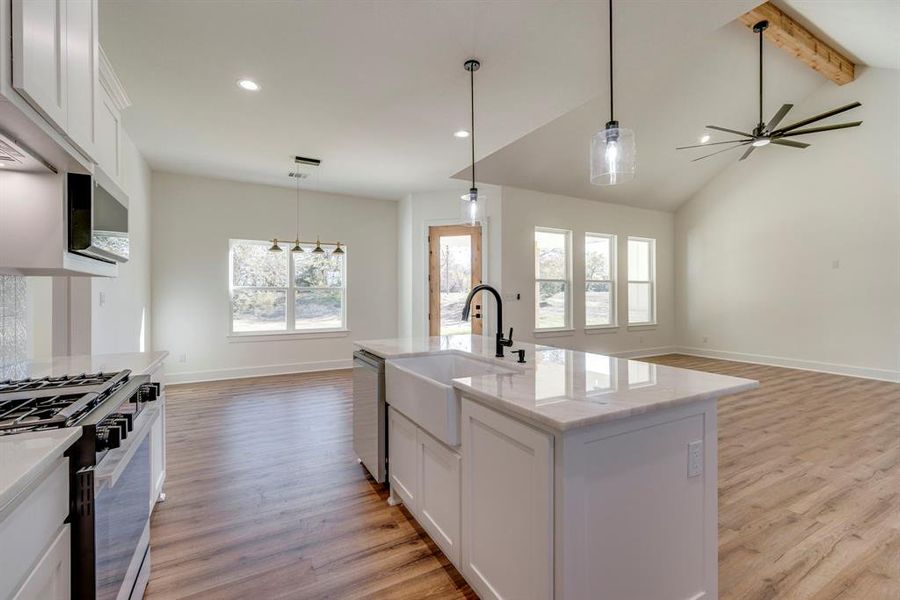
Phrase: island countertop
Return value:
(562, 389)
(139, 363)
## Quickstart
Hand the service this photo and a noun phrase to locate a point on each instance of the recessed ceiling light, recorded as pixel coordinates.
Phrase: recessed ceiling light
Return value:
(248, 84)
(462, 133)
(704, 139)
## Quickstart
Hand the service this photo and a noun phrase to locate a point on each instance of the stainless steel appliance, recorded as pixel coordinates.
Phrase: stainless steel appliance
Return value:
(110, 488)
(97, 218)
(369, 420)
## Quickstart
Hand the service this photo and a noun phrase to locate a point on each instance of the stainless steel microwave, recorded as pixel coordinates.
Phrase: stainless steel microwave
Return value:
(97, 218)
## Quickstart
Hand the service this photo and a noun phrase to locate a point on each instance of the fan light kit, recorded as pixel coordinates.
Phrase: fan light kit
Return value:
(765, 133)
(473, 202)
(297, 248)
(612, 148)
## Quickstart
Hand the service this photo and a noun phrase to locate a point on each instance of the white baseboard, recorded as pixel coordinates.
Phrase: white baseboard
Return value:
(794, 363)
(260, 371)
(644, 352)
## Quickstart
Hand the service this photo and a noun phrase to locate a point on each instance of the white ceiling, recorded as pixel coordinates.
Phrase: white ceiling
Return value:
(373, 88)
(867, 30)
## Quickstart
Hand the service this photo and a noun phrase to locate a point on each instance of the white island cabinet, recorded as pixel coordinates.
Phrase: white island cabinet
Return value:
(577, 476)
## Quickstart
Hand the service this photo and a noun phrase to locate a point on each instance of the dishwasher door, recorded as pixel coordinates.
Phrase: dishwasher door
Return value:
(369, 427)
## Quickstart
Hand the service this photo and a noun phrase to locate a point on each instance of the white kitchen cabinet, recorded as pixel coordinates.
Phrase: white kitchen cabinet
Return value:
(82, 73)
(507, 506)
(439, 494)
(402, 436)
(51, 578)
(109, 133)
(39, 56)
(158, 443)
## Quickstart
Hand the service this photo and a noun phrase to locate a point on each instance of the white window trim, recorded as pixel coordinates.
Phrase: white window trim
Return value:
(652, 282)
(613, 272)
(567, 327)
(290, 294)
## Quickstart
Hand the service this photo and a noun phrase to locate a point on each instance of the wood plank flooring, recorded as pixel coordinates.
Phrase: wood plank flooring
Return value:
(266, 501)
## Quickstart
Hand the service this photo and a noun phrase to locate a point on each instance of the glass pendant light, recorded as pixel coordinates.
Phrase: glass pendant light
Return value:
(473, 202)
(612, 148)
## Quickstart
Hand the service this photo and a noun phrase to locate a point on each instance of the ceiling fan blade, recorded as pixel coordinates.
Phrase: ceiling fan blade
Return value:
(717, 128)
(822, 128)
(824, 115)
(790, 143)
(721, 151)
(711, 144)
(779, 116)
(747, 153)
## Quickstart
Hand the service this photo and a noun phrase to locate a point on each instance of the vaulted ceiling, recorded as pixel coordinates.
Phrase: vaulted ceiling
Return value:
(376, 88)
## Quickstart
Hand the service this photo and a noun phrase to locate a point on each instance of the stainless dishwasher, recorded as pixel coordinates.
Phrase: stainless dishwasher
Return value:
(369, 424)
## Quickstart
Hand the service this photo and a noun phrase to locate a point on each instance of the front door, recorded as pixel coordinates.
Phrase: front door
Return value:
(454, 267)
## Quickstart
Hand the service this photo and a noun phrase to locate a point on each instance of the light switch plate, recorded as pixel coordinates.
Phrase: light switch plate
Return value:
(695, 458)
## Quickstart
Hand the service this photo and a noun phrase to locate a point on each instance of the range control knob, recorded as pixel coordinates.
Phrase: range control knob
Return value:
(148, 392)
(108, 438)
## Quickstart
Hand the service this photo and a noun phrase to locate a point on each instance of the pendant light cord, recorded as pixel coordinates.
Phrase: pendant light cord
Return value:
(611, 118)
(298, 200)
(472, 115)
(761, 76)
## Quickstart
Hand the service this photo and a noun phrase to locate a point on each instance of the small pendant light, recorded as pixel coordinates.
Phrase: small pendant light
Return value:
(318, 249)
(275, 247)
(473, 202)
(612, 148)
(337, 249)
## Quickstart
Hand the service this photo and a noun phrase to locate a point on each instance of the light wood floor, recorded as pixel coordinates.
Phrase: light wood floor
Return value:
(266, 501)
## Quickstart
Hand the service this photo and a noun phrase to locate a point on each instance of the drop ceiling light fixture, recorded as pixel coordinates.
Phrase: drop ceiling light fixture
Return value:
(612, 148)
(473, 202)
(297, 175)
(765, 133)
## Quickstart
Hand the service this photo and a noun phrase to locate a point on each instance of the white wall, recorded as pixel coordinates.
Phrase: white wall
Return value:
(122, 322)
(523, 210)
(193, 219)
(418, 212)
(793, 256)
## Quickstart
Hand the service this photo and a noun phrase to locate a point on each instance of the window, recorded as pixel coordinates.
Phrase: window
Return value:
(599, 280)
(552, 278)
(283, 291)
(641, 279)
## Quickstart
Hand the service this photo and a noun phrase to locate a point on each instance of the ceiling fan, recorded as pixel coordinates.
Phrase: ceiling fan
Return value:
(765, 133)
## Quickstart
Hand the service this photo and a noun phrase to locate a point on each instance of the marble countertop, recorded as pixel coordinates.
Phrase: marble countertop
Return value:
(565, 389)
(25, 458)
(139, 363)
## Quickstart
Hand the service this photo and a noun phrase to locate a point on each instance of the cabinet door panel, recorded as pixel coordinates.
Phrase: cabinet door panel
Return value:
(51, 577)
(439, 494)
(507, 506)
(403, 451)
(107, 135)
(39, 56)
(82, 68)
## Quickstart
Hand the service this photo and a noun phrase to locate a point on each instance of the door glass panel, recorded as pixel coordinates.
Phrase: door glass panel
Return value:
(456, 281)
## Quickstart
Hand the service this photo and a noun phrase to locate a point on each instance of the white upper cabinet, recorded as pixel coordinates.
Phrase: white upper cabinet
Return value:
(82, 68)
(39, 56)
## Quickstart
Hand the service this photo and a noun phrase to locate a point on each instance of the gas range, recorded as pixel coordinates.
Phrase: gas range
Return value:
(109, 479)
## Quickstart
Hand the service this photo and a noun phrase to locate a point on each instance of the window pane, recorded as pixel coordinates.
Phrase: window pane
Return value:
(597, 257)
(318, 270)
(456, 279)
(550, 255)
(598, 304)
(254, 266)
(258, 310)
(551, 305)
(639, 303)
(638, 260)
(319, 309)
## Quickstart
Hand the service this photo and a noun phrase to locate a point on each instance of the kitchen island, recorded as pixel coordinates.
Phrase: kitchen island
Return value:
(573, 475)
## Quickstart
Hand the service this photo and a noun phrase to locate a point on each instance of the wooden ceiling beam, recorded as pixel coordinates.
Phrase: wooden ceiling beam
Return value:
(794, 38)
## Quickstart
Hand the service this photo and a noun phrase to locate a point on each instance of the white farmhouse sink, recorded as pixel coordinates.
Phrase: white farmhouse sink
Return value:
(420, 387)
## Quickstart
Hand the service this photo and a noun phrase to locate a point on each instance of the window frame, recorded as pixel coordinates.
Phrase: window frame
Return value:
(613, 273)
(651, 257)
(567, 282)
(290, 296)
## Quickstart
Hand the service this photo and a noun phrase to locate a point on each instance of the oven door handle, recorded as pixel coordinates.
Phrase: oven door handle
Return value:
(113, 464)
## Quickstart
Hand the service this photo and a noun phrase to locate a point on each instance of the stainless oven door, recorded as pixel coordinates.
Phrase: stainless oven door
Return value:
(122, 513)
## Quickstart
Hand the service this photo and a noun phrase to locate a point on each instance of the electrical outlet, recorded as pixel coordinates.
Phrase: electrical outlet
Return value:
(102, 298)
(695, 458)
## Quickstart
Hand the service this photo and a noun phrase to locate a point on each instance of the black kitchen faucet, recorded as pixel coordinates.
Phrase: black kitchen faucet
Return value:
(501, 341)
